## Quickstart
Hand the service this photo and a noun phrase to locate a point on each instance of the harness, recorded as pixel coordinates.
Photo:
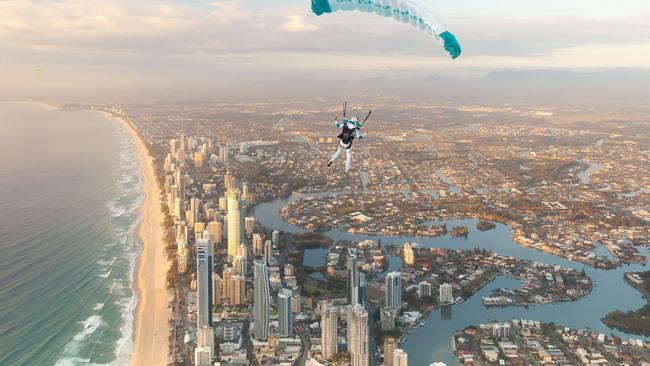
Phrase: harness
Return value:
(347, 136)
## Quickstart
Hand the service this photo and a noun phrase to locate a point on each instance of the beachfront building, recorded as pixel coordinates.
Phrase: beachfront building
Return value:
(205, 337)
(284, 313)
(261, 298)
(393, 290)
(329, 330)
(182, 253)
(445, 295)
(358, 337)
(202, 356)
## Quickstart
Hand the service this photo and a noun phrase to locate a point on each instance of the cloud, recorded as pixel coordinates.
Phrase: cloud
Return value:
(296, 23)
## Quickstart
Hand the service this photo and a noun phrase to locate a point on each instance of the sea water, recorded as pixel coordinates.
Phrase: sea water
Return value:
(70, 190)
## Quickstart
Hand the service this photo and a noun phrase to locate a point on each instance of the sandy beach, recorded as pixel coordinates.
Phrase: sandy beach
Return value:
(151, 316)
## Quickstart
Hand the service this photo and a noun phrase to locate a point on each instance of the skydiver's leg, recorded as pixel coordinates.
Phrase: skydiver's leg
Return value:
(336, 155)
(348, 160)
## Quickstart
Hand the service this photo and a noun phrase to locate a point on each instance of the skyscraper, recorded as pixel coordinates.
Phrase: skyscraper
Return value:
(205, 337)
(261, 301)
(227, 180)
(244, 194)
(275, 236)
(237, 290)
(203, 280)
(202, 356)
(199, 227)
(249, 224)
(329, 329)
(284, 313)
(358, 339)
(225, 283)
(268, 251)
(400, 358)
(206, 243)
(216, 230)
(393, 290)
(240, 265)
(409, 256)
(352, 277)
(425, 290)
(362, 288)
(389, 347)
(216, 289)
(446, 294)
(234, 222)
(258, 245)
(182, 252)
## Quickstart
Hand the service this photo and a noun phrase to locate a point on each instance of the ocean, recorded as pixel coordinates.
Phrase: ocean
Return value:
(70, 190)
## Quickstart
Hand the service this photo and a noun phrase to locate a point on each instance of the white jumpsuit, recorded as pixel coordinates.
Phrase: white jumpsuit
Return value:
(346, 147)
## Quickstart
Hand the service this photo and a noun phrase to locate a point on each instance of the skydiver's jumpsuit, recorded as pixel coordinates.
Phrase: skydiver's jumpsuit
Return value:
(349, 133)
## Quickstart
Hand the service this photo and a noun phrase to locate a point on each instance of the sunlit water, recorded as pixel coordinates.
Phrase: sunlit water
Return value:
(69, 193)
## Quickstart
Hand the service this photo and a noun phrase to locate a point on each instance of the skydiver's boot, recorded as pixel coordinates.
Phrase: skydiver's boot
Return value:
(338, 152)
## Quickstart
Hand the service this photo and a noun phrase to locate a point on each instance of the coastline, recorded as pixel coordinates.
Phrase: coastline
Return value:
(151, 315)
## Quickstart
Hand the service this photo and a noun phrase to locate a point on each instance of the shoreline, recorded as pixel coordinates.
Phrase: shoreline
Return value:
(151, 314)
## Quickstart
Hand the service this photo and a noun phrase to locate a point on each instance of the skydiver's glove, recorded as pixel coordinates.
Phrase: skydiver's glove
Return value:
(338, 125)
(451, 44)
(360, 137)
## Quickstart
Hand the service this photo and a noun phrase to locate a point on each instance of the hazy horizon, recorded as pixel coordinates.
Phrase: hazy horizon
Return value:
(90, 50)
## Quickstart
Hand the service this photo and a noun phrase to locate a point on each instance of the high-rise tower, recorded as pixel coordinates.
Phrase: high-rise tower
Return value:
(329, 329)
(352, 277)
(393, 290)
(234, 222)
(261, 300)
(284, 313)
(358, 339)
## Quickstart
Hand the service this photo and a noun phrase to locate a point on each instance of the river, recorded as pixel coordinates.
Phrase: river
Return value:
(585, 175)
(432, 341)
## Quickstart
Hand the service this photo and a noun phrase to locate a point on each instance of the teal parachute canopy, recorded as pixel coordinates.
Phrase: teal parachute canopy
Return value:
(405, 11)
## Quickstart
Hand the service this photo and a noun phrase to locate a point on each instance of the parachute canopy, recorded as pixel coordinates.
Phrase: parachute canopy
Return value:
(406, 11)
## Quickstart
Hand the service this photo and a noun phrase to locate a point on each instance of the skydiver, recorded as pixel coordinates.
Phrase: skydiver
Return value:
(351, 129)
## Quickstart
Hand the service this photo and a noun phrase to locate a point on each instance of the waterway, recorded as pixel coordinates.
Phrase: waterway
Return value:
(432, 341)
(585, 175)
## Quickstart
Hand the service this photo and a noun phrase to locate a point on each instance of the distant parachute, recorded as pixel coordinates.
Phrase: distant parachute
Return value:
(406, 11)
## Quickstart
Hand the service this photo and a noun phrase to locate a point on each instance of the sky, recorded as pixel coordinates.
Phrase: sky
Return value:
(77, 46)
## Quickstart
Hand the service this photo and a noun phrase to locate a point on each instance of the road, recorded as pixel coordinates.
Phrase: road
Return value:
(302, 359)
